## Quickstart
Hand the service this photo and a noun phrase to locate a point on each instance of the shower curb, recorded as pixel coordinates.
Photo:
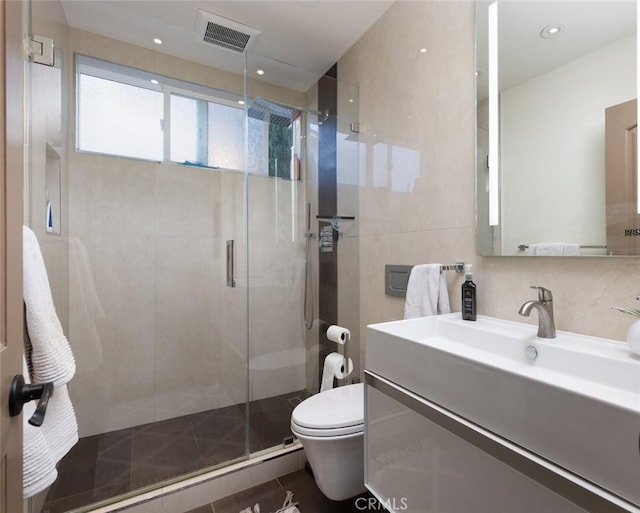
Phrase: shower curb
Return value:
(197, 491)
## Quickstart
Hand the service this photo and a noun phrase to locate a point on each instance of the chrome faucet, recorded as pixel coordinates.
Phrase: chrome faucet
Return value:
(544, 305)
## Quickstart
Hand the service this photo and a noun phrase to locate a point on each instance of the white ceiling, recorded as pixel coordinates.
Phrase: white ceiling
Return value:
(524, 54)
(299, 40)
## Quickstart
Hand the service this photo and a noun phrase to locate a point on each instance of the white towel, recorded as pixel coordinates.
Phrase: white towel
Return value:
(51, 359)
(569, 249)
(554, 249)
(39, 469)
(60, 427)
(426, 292)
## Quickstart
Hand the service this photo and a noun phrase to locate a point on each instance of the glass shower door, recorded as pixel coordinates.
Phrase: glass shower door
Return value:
(150, 292)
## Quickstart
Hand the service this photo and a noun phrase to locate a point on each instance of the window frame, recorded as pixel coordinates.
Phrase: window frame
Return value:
(119, 73)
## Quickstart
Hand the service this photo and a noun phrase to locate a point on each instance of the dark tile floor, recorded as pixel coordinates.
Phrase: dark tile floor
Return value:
(271, 495)
(104, 466)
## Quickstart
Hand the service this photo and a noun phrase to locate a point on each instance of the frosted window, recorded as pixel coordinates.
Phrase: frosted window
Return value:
(226, 136)
(258, 160)
(184, 129)
(119, 119)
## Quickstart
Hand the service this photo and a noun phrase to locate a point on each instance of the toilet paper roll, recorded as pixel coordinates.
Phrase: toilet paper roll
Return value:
(338, 334)
(334, 368)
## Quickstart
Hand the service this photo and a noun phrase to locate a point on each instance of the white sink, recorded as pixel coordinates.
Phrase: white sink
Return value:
(576, 404)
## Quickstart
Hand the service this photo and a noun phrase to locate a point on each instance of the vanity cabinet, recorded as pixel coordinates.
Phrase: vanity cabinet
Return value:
(422, 458)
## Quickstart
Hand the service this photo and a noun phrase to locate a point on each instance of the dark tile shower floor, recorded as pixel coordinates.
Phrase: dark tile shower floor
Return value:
(110, 464)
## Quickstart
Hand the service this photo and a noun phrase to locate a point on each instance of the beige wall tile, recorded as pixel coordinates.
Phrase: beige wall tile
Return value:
(435, 221)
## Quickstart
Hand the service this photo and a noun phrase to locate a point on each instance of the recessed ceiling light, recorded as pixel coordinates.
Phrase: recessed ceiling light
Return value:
(423, 50)
(154, 81)
(552, 30)
(241, 102)
(351, 100)
(157, 41)
(260, 71)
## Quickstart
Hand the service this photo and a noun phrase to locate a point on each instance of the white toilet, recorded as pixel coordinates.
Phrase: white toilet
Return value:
(330, 426)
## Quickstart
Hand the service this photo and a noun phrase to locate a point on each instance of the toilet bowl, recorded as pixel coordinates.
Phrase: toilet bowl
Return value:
(330, 426)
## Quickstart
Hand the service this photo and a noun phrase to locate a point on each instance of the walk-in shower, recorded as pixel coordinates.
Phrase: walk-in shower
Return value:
(179, 244)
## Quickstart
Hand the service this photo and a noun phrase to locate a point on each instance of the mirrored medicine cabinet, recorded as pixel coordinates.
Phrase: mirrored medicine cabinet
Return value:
(557, 172)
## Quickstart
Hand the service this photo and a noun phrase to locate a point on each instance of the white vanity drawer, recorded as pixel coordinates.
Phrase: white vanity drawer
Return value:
(422, 458)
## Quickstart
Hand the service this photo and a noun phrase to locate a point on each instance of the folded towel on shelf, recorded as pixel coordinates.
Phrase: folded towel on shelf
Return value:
(51, 358)
(426, 292)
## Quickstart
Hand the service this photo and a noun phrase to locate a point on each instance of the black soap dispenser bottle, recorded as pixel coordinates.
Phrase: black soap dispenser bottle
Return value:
(469, 296)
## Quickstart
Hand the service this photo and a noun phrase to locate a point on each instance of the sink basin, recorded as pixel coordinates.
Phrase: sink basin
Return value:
(574, 400)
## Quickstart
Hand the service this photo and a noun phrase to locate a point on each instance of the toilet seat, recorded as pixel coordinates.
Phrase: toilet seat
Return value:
(336, 412)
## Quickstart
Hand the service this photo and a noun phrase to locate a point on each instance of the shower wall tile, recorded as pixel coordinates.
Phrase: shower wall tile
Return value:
(111, 330)
(156, 331)
(183, 201)
(109, 49)
(349, 295)
(187, 352)
(110, 196)
(276, 270)
(416, 177)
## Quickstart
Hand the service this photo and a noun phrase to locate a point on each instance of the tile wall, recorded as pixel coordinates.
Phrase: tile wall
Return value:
(418, 178)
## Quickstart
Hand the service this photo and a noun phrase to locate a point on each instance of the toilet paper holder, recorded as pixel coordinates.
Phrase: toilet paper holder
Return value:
(341, 336)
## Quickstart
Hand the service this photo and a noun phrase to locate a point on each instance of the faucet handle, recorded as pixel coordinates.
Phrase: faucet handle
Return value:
(543, 294)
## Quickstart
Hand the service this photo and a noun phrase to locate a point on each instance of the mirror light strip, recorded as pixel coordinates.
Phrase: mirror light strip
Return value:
(494, 120)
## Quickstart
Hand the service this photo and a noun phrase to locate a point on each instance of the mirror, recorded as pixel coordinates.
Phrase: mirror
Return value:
(556, 185)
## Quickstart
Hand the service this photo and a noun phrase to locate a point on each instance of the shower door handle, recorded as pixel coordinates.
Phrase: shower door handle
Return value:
(231, 281)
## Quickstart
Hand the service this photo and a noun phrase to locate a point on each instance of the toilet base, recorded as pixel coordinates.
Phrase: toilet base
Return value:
(337, 464)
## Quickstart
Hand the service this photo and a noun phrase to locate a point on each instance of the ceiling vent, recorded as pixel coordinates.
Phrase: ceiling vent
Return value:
(224, 33)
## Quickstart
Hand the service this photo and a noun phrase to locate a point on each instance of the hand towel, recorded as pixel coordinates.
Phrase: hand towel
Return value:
(426, 292)
(554, 249)
(569, 249)
(51, 359)
(546, 248)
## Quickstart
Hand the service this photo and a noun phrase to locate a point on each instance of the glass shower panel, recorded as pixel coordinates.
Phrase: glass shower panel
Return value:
(138, 275)
(277, 209)
(284, 359)
(350, 157)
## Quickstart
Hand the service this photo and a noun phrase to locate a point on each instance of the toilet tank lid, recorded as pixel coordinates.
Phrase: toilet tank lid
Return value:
(338, 407)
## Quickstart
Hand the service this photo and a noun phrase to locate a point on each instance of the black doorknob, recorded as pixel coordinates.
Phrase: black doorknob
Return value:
(21, 393)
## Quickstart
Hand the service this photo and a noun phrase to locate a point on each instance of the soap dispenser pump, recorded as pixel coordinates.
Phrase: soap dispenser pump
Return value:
(469, 296)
